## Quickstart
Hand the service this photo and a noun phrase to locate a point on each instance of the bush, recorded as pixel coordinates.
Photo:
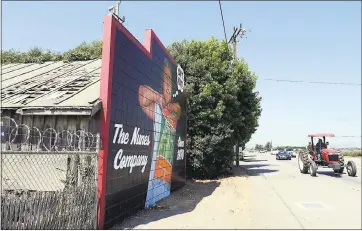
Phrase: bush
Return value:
(353, 154)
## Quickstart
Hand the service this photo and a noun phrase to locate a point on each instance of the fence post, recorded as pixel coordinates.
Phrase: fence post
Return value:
(98, 142)
(83, 134)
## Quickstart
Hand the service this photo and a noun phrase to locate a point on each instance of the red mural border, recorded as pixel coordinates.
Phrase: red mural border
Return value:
(110, 26)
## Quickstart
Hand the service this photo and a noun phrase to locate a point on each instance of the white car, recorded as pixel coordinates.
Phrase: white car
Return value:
(290, 152)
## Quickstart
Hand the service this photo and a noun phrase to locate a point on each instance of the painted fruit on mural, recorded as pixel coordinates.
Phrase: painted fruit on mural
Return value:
(163, 169)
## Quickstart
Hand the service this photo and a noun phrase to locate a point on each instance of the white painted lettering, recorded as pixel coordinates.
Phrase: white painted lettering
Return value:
(121, 161)
(118, 156)
(180, 143)
(138, 139)
(123, 137)
(180, 151)
(180, 154)
(117, 126)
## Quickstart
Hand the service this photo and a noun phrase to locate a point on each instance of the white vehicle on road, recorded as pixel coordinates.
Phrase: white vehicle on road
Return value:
(290, 152)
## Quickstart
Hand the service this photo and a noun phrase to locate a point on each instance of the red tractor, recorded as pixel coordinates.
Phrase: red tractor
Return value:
(320, 155)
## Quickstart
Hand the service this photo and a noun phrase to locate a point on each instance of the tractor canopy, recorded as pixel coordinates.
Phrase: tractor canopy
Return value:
(325, 149)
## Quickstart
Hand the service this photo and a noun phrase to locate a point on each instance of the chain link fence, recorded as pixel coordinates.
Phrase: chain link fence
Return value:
(48, 178)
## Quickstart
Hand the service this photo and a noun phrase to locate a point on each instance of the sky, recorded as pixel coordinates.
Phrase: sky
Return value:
(306, 41)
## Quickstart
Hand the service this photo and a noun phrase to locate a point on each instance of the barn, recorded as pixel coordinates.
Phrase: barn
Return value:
(40, 101)
(49, 124)
(59, 95)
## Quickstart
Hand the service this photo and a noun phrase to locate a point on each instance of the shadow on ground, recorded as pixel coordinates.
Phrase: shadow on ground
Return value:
(247, 156)
(253, 160)
(258, 169)
(181, 201)
(330, 173)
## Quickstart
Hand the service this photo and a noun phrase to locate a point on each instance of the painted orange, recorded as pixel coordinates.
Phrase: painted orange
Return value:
(163, 169)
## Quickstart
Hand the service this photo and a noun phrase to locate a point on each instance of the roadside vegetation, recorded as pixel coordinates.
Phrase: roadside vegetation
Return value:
(353, 153)
(290, 147)
(268, 146)
(85, 51)
(223, 106)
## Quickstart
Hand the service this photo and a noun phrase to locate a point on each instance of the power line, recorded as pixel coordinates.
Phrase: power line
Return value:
(313, 82)
(223, 22)
(241, 31)
(349, 136)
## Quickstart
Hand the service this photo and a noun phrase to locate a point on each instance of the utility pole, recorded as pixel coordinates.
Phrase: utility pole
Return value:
(240, 31)
(115, 11)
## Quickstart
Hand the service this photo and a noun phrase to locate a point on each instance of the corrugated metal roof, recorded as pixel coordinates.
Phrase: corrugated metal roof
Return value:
(51, 84)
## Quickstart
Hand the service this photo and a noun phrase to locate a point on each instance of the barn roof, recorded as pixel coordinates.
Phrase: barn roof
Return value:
(51, 87)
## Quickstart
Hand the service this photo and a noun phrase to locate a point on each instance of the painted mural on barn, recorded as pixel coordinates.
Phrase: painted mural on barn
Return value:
(143, 124)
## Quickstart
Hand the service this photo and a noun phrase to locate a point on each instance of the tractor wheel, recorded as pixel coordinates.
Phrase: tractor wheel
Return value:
(341, 160)
(313, 168)
(341, 170)
(303, 162)
(351, 168)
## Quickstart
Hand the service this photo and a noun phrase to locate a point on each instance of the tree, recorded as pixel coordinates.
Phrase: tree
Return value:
(258, 147)
(245, 106)
(221, 101)
(85, 52)
(82, 52)
(292, 147)
(268, 146)
(33, 55)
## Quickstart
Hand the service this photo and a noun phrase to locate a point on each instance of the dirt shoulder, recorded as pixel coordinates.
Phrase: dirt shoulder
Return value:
(217, 204)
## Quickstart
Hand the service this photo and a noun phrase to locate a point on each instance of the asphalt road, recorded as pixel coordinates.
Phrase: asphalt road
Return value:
(284, 198)
(264, 193)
